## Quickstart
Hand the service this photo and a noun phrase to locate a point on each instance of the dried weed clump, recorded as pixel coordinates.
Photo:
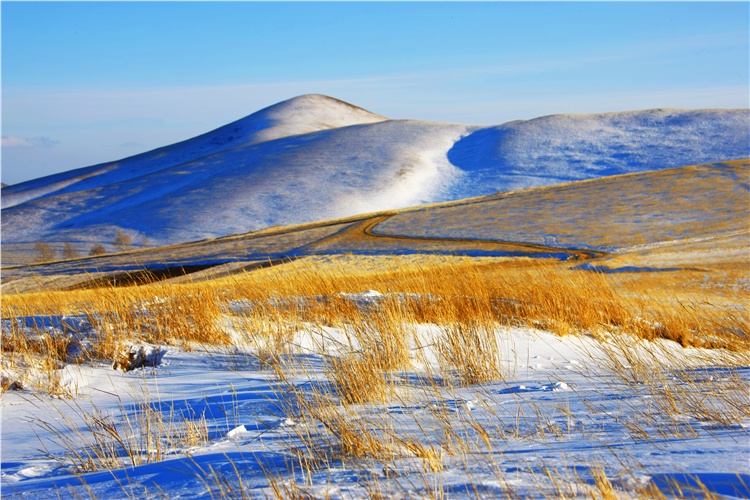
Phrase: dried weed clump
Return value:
(473, 351)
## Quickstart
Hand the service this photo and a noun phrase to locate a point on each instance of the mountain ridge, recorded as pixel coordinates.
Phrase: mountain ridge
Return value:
(315, 158)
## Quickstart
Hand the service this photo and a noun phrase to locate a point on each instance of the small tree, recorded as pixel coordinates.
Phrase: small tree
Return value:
(45, 252)
(70, 251)
(122, 241)
(97, 249)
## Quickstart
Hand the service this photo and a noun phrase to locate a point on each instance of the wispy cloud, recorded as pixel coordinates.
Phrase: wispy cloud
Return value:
(14, 142)
(9, 141)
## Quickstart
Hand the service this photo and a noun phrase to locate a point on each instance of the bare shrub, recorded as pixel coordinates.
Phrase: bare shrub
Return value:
(45, 252)
(122, 241)
(131, 356)
(97, 249)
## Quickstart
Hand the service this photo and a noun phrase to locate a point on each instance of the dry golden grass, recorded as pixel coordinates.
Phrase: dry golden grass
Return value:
(186, 317)
(467, 296)
(137, 434)
(472, 293)
(619, 211)
(676, 305)
(340, 417)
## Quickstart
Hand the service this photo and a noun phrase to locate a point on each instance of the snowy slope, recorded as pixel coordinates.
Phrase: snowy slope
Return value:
(295, 179)
(300, 115)
(313, 158)
(560, 414)
(559, 148)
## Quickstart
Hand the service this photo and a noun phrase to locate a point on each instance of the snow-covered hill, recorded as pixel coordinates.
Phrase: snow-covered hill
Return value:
(301, 115)
(557, 148)
(314, 157)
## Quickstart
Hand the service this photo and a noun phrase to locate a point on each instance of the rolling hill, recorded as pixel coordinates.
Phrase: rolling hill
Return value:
(315, 158)
(687, 217)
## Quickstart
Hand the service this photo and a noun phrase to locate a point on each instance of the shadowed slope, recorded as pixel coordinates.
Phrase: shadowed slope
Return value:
(560, 148)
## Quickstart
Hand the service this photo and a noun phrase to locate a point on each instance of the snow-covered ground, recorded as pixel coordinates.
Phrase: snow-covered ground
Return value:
(315, 158)
(567, 416)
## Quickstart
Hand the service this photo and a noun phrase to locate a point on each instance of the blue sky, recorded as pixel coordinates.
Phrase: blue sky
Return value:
(89, 82)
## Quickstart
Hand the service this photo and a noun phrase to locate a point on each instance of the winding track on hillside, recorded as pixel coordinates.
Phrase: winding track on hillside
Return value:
(360, 237)
(357, 236)
(456, 228)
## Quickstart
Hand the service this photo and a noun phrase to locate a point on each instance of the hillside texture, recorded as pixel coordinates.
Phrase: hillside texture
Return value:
(315, 158)
(688, 217)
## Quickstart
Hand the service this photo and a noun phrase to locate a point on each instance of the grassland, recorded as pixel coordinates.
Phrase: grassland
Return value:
(360, 361)
(414, 382)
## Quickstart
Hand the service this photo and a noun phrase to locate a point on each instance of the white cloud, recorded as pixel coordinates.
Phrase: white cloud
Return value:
(14, 142)
(21, 142)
